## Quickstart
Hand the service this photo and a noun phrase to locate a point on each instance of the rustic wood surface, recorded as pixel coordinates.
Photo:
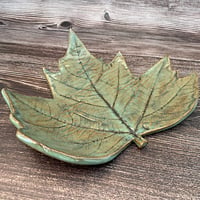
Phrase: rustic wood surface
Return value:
(33, 34)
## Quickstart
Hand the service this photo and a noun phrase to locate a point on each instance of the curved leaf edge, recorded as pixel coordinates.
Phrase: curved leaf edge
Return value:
(182, 118)
(65, 157)
(53, 152)
(173, 124)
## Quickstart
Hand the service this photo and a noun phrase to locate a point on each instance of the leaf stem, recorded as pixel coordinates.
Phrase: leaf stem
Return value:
(140, 141)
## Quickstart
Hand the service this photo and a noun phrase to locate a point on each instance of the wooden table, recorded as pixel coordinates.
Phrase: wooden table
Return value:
(34, 34)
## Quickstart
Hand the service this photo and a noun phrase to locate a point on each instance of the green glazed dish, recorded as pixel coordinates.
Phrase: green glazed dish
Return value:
(98, 109)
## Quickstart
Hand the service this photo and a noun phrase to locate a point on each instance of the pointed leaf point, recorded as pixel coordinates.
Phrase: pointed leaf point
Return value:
(5, 94)
(119, 54)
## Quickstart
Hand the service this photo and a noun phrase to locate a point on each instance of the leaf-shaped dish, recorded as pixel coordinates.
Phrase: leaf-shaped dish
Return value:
(98, 109)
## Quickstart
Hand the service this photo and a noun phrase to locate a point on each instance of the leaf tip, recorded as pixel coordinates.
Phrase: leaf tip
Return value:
(166, 59)
(72, 35)
(6, 95)
(3, 90)
(76, 48)
(119, 54)
(46, 71)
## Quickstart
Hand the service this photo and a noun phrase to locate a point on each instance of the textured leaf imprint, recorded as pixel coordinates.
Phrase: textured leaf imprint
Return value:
(98, 109)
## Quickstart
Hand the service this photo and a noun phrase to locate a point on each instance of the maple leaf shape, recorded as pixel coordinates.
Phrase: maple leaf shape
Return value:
(98, 109)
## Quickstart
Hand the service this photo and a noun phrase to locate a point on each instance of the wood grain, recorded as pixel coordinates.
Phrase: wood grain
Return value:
(31, 37)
